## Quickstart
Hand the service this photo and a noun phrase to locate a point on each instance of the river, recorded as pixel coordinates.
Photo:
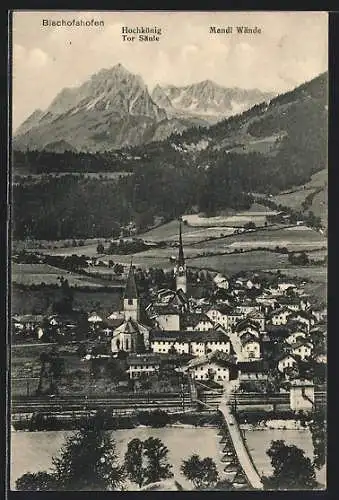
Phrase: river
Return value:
(33, 451)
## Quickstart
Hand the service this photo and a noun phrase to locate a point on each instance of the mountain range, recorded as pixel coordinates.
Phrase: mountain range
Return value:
(114, 109)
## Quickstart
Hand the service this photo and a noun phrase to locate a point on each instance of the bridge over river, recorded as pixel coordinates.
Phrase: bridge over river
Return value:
(239, 466)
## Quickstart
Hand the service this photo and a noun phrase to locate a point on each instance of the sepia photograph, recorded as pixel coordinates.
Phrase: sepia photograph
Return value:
(168, 276)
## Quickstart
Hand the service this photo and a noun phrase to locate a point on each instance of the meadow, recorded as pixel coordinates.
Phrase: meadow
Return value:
(35, 274)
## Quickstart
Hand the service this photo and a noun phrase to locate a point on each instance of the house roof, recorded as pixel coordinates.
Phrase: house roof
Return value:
(244, 323)
(300, 343)
(195, 319)
(130, 326)
(303, 314)
(144, 359)
(223, 309)
(189, 336)
(164, 309)
(285, 355)
(247, 338)
(131, 291)
(256, 315)
(253, 366)
(223, 360)
(280, 311)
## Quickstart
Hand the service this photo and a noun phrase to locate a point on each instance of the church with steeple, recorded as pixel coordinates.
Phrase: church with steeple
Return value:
(131, 335)
(180, 267)
(131, 297)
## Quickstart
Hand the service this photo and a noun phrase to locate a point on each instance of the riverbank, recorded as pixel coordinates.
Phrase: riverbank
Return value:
(105, 420)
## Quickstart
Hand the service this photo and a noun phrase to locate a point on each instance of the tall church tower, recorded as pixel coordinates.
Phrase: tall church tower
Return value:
(180, 268)
(131, 298)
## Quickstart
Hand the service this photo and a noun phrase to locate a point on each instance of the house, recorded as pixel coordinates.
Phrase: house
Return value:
(140, 364)
(246, 326)
(197, 322)
(94, 318)
(250, 347)
(190, 342)
(246, 308)
(291, 303)
(319, 313)
(280, 316)
(258, 318)
(165, 317)
(285, 361)
(283, 286)
(294, 325)
(266, 301)
(164, 296)
(221, 281)
(305, 317)
(130, 336)
(302, 348)
(302, 397)
(252, 370)
(234, 318)
(220, 314)
(209, 367)
(295, 337)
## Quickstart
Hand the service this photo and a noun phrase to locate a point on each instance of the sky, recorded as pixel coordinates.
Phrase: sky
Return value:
(291, 49)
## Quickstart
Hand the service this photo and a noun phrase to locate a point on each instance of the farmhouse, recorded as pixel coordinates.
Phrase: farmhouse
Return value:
(286, 361)
(166, 317)
(220, 315)
(305, 317)
(197, 322)
(209, 367)
(142, 364)
(252, 370)
(250, 347)
(246, 326)
(258, 318)
(302, 348)
(295, 337)
(279, 317)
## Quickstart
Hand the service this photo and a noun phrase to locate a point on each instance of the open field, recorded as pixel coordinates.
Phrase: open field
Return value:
(22, 176)
(293, 238)
(256, 214)
(296, 196)
(29, 274)
(234, 263)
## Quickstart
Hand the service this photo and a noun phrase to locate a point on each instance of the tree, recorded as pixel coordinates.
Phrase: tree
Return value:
(318, 430)
(291, 469)
(37, 481)
(134, 462)
(157, 467)
(250, 225)
(100, 248)
(202, 472)
(87, 461)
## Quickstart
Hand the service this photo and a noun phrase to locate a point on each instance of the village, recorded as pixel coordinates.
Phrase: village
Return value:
(264, 333)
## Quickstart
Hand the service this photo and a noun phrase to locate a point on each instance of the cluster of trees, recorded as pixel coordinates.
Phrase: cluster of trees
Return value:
(122, 247)
(298, 259)
(88, 461)
(291, 469)
(45, 162)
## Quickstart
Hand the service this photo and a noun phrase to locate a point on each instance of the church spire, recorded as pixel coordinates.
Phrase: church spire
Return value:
(131, 291)
(181, 259)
